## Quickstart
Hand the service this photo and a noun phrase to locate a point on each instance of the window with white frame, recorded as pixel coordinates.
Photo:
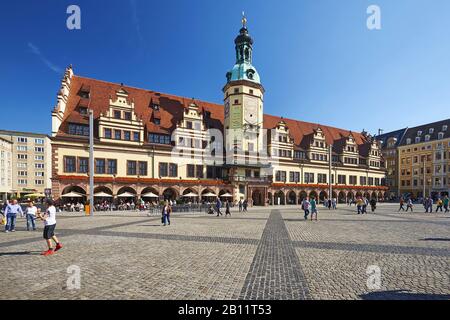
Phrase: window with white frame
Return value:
(22, 140)
(39, 165)
(22, 148)
(39, 158)
(440, 135)
(39, 149)
(39, 141)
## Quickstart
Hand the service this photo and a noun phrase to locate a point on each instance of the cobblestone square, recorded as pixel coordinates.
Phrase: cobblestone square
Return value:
(267, 253)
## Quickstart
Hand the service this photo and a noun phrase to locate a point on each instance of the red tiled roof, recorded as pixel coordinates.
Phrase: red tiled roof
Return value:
(172, 108)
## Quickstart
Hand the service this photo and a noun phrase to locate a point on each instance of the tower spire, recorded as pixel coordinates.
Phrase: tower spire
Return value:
(244, 20)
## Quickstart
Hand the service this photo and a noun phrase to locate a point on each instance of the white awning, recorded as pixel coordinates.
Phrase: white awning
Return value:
(102, 195)
(150, 195)
(209, 194)
(190, 195)
(126, 195)
(227, 195)
(72, 195)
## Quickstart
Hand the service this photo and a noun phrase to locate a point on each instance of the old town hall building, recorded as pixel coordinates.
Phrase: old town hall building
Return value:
(154, 145)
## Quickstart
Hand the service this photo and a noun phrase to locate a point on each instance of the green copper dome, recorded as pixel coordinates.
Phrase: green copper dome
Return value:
(243, 69)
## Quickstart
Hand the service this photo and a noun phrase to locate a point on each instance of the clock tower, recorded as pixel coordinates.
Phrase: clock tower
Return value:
(243, 99)
(245, 141)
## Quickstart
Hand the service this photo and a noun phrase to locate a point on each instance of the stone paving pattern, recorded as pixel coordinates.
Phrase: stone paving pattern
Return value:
(267, 253)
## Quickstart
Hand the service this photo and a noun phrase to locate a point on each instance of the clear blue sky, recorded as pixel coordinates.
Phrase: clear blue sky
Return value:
(317, 59)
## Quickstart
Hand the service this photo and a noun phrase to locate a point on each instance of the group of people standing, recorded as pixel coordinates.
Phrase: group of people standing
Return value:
(32, 213)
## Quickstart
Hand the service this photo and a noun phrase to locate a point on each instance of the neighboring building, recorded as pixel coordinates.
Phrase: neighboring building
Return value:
(389, 144)
(424, 160)
(31, 161)
(146, 141)
(5, 168)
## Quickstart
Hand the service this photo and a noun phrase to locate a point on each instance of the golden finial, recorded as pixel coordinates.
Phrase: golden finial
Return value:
(244, 20)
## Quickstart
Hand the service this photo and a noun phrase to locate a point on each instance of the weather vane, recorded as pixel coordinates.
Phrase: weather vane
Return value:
(244, 20)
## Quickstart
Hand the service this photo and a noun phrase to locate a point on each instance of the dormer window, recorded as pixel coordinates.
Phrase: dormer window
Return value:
(83, 110)
(408, 141)
(419, 133)
(431, 130)
(417, 139)
(117, 114)
(155, 106)
(84, 94)
(427, 137)
(440, 135)
(127, 115)
(444, 127)
(157, 121)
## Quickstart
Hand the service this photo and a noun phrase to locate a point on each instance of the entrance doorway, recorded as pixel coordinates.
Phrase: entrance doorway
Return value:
(257, 197)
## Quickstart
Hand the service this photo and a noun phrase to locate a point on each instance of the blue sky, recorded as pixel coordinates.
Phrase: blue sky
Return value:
(317, 60)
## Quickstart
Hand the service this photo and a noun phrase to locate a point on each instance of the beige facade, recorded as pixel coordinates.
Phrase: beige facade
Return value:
(31, 162)
(424, 166)
(5, 168)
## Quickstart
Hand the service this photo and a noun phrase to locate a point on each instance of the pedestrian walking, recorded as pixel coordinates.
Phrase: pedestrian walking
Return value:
(334, 203)
(313, 205)
(329, 204)
(49, 219)
(30, 214)
(409, 205)
(373, 204)
(446, 204)
(166, 211)
(240, 205)
(439, 205)
(306, 206)
(245, 205)
(429, 205)
(364, 205)
(11, 212)
(218, 206)
(227, 209)
(402, 203)
(359, 205)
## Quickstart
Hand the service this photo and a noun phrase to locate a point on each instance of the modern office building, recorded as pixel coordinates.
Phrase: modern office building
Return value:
(31, 162)
(151, 143)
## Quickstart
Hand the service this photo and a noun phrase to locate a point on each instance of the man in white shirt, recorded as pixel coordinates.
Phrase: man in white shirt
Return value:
(30, 212)
(49, 230)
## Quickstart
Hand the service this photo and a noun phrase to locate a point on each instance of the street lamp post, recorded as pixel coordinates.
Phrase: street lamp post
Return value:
(424, 179)
(91, 162)
(330, 187)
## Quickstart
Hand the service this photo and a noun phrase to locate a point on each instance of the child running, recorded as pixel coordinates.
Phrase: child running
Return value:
(49, 219)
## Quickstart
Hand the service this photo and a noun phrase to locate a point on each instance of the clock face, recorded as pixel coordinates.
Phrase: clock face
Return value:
(251, 110)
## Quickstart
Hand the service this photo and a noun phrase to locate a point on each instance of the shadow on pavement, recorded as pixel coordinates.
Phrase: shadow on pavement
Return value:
(403, 295)
(22, 253)
(435, 239)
